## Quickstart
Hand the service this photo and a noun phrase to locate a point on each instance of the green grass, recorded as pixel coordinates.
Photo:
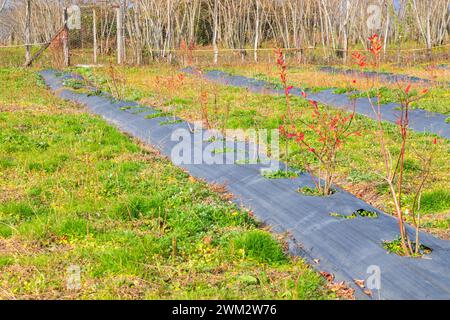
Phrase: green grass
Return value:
(76, 191)
(170, 122)
(366, 214)
(158, 115)
(259, 246)
(344, 90)
(19, 88)
(279, 174)
(361, 212)
(75, 84)
(248, 161)
(435, 200)
(343, 216)
(125, 108)
(395, 247)
(222, 150)
(314, 192)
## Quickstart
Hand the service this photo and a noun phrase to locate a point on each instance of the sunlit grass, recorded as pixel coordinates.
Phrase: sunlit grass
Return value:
(309, 78)
(76, 191)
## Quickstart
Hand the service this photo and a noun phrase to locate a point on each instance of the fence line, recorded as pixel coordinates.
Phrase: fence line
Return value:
(82, 50)
(249, 49)
(24, 45)
(288, 49)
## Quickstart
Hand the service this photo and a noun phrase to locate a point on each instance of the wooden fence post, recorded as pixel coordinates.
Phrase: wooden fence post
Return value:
(119, 34)
(28, 32)
(65, 40)
(94, 31)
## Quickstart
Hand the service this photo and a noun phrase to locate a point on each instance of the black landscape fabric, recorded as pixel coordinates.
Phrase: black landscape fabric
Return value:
(419, 120)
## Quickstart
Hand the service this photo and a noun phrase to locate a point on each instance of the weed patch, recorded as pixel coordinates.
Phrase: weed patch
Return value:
(279, 174)
(260, 246)
(314, 192)
(360, 212)
(158, 115)
(72, 83)
(170, 122)
(435, 201)
(222, 150)
(395, 247)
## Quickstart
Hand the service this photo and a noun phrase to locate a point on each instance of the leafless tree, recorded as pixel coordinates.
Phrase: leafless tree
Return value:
(156, 28)
(2, 5)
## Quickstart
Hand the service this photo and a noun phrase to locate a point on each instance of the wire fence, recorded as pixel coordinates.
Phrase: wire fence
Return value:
(87, 49)
(82, 53)
(95, 41)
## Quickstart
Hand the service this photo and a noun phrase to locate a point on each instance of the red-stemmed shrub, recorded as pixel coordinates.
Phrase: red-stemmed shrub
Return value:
(394, 164)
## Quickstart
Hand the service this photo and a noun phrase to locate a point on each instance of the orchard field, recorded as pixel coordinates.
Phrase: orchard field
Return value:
(358, 121)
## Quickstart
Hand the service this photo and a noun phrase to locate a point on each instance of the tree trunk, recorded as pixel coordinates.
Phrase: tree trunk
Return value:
(215, 31)
(65, 40)
(94, 34)
(428, 30)
(28, 32)
(386, 30)
(255, 48)
(119, 34)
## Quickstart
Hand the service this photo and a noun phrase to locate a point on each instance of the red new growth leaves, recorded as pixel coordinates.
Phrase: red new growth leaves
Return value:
(297, 136)
(282, 66)
(327, 132)
(287, 90)
(183, 45)
(313, 103)
(375, 45)
(375, 48)
(408, 88)
(360, 59)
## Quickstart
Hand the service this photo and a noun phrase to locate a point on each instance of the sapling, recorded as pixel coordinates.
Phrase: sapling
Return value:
(226, 117)
(174, 84)
(184, 51)
(427, 161)
(394, 165)
(116, 82)
(329, 131)
(203, 98)
(288, 119)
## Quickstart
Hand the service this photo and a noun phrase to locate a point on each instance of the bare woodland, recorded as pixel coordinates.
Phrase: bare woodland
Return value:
(157, 28)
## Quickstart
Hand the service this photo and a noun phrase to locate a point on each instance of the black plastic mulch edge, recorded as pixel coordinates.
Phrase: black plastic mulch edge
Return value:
(386, 76)
(346, 248)
(421, 121)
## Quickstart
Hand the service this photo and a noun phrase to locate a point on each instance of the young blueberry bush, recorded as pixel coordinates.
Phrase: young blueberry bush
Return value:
(169, 86)
(288, 119)
(394, 162)
(116, 81)
(327, 132)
